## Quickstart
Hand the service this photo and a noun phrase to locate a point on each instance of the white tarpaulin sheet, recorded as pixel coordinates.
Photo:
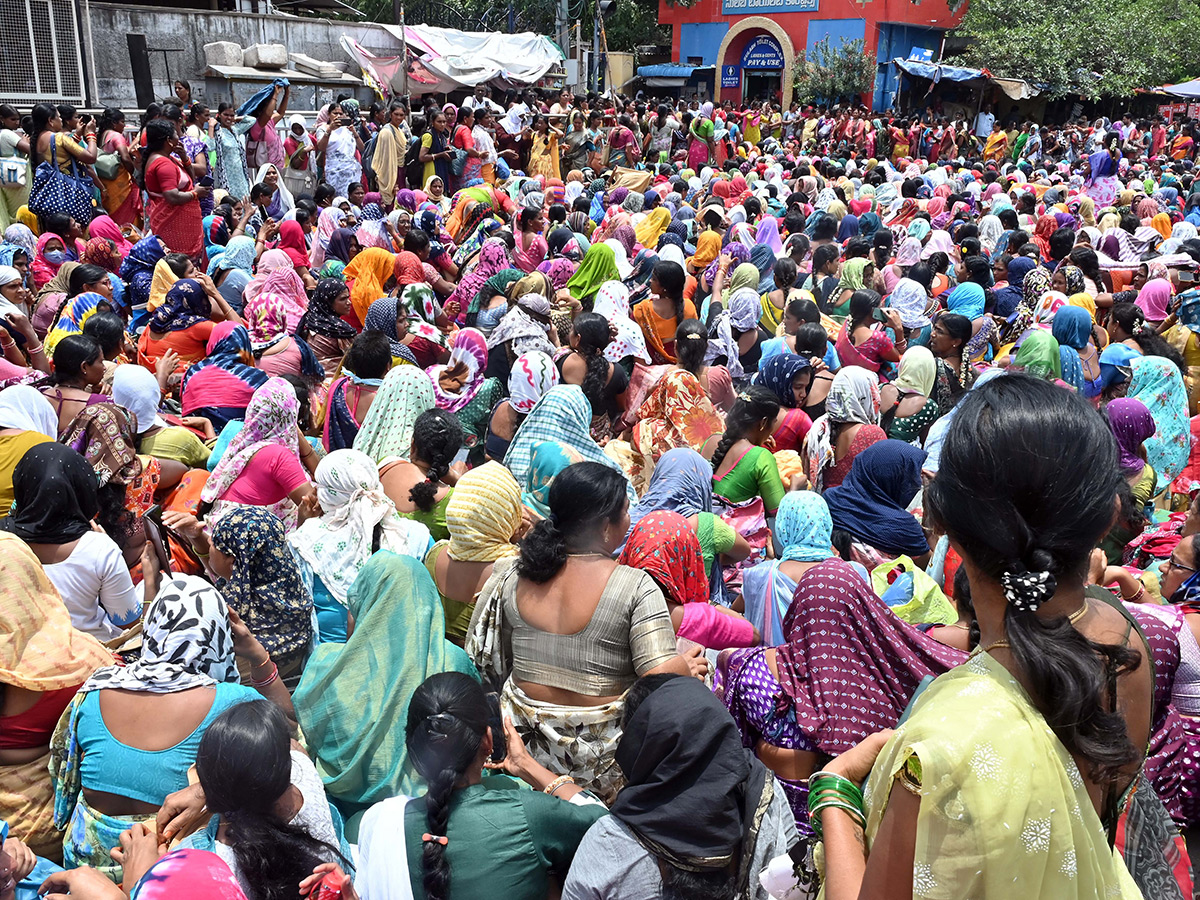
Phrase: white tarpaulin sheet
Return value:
(468, 58)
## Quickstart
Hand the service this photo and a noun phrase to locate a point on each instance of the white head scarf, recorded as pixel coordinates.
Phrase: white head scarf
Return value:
(136, 389)
(26, 408)
(285, 196)
(340, 542)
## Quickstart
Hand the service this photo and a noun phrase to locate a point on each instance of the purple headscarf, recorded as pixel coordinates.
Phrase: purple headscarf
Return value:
(1131, 424)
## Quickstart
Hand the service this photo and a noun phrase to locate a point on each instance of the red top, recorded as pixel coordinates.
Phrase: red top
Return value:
(34, 727)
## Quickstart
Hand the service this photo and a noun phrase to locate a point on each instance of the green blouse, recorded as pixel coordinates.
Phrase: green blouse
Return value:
(435, 519)
(754, 475)
(503, 841)
(909, 428)
(715, 538)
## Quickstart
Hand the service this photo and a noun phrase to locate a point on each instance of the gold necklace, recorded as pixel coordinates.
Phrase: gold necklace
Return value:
(1072, 618)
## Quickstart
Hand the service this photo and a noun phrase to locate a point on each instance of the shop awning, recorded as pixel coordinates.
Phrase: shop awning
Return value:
(936, 72)
(1015, 88)
(1189, 89)
(666, 70)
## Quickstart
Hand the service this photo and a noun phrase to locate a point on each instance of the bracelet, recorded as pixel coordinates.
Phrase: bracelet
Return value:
(32, 350)
(557, 783)
(1136, 598)
(268, 680)
(814, 815)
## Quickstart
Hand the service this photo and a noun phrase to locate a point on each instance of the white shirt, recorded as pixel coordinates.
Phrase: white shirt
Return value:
(983, 124)
(96, 588)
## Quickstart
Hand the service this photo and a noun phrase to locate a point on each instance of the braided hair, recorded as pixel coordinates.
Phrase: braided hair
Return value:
(753, 404)
(447, 719)
(592, 331)
(691, 344)
(437, 438)
(671, 280)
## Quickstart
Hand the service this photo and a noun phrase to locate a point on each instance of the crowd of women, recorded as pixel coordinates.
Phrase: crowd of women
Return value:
(679, 517)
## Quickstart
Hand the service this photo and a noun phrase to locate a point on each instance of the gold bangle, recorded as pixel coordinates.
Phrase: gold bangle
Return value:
(557, 783)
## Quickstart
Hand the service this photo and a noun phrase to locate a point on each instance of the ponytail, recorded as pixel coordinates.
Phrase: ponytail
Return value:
(753, 404)
(437, 438)
(691, 344)
(592, 331)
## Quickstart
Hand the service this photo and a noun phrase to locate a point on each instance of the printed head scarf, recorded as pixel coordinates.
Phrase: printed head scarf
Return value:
(320, 318)
(387, 430)
(55, 496)
(468, 359)
(778, 373)
(804, 527)
(265, 588)
(354, 509)
(271, 418)
(910, 299)
(186, 304)
(532, 374)
(186, 642)
(547, 460)
(665, 545)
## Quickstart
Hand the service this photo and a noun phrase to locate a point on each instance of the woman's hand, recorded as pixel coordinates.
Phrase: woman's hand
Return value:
(165, 368)
(80, 884)
(245, 645)
(855, 764)
(337, 878)
(184, 524)
(20, 323)
(181, 813)
(22, 859)
(517, 759)
(140, 849)
(697, 662)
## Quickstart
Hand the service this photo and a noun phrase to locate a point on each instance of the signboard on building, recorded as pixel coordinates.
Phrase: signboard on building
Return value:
(921, 54)
(1172, 111)
(1193, 110)
(731, 76)
(763, 52)
(765, 7)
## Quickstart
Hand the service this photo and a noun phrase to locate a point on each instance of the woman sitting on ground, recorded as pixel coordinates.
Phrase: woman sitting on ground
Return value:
(567, 630)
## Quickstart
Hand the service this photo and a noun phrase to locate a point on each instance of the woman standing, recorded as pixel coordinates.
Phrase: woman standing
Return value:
(435, 153)
(1061, 682)
(225, 132)
(122, 199)
(701, 149)
(175, 214)
(464, 140)
(14, 146)
(341, 143)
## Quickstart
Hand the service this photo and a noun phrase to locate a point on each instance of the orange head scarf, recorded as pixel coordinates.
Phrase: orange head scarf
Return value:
(708, 248)
(366, 274)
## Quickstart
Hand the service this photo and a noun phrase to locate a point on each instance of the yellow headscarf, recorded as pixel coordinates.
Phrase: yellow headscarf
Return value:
(1162, 224)
(28, 219)
(708, 248)
(160, 284)
(483, 514)
(1084, 300)
(653, 227)
(1109, 221)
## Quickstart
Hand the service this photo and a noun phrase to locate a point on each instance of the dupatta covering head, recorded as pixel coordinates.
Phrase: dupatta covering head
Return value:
(804, 527)
(547, 460)
(187, 642)
(483, 514)
(692, 792)
(968, 299)
(493, 260)
(223, 378)
(54, 496)
(136, 389)
(917, 373)
(1039, 355)
(910, 299)
(27, 408)
(1131, 425)
(468, 359)
(532, 374)
(778, 373)
(185, 305)
(871, 503)
(271, 418)
(40, 650)
(353, 508)
(265, 588)
(137, 271)
(598, 266)
(188, 875)
(320, 317)
(1154, 299)
(850, 665)
(387, 431)
(681, 483)
(103, 434)
(383, 317)
(352, 701)
(564, 414)
(1157, 383)
(1072, 327)
(665, 545)
(366, 274)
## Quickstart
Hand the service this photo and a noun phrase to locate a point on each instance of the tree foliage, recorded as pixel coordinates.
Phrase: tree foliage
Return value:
(1086, 47)
(832, 75)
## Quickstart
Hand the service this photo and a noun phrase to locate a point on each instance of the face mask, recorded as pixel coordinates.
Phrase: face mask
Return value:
(55, 257)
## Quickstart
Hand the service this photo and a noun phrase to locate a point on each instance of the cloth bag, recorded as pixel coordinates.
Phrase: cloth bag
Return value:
(912, 595)
(54, 191)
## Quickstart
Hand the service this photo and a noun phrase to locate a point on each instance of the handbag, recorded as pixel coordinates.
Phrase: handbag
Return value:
(54, 191)
(12, 171)
(458, 161)
(108, 166)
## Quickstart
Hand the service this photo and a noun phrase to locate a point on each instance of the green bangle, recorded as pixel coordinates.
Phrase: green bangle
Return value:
(822, 780)
(814, 815)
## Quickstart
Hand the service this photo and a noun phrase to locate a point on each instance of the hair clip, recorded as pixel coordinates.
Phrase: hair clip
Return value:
(692, 336)
(435, 839)
(744, 396)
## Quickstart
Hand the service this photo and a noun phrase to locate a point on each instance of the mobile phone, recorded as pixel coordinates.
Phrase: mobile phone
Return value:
(152, 523)
(496, 721)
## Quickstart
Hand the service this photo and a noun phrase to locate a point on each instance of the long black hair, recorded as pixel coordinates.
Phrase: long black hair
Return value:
(592, 331)
(691, 343)
(672, 279)
(437, 438)
(1026, 484)
(582, 498)
(753, 404)
(245, 765)
(70, 355)
(447, 719)
(41, 114)
(158, 134)
(1132, 320)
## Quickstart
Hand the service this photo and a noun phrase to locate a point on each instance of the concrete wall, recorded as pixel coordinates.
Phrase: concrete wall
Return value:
(183, 33)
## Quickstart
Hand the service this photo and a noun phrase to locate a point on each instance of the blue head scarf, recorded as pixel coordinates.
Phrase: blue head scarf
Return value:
(1115, 364)
(1072, 327)
(804, 527)
(871, 503)
(968, 299)
(778, 372)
